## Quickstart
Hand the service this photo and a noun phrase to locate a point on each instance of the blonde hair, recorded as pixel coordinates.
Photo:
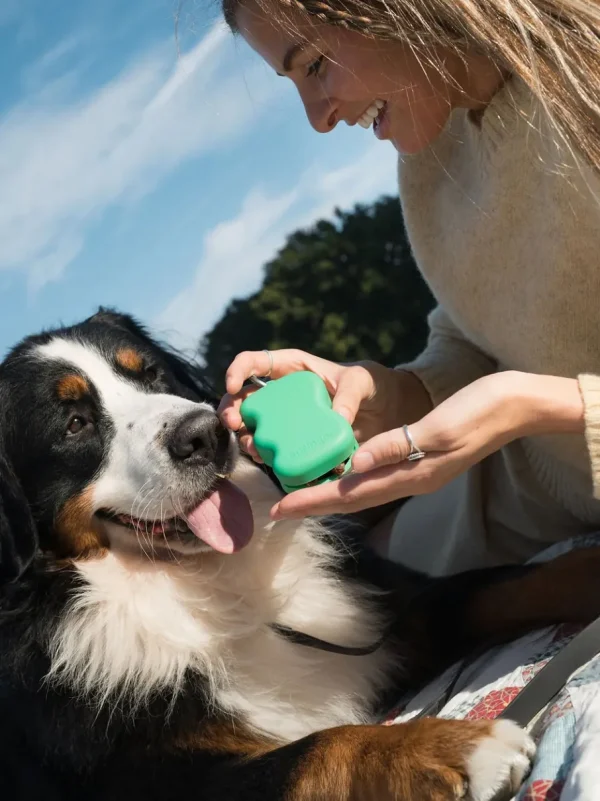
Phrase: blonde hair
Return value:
(552, 45)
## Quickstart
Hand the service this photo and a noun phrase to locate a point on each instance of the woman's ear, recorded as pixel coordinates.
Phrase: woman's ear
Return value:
(18, 532)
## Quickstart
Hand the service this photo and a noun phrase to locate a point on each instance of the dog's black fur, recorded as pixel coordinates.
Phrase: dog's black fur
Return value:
(58, 744)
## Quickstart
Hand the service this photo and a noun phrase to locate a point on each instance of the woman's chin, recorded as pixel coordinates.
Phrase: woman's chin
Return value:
(410, 142)
(410, 148)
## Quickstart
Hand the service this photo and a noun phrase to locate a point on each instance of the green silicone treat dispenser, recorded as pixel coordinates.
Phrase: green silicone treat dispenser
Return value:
(297, 433)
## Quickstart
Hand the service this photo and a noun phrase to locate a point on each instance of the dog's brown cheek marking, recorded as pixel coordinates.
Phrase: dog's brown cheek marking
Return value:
(424, 759)
(77, 535)
(72, 388)
(129, 359)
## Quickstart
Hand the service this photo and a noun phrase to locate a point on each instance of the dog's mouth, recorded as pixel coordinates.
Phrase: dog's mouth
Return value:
(157, 528)
(223, 520)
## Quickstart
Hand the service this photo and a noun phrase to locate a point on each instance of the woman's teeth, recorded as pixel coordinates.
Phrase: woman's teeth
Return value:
(366, 120)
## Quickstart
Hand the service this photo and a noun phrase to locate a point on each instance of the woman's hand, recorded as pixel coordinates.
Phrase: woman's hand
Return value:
(461, 431)
(372, 397)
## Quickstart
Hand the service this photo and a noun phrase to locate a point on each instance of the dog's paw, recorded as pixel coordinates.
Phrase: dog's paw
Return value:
(437, 759)
(499, 763)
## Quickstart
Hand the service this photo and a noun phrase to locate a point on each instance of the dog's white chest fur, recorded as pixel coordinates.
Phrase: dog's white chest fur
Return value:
(137, 626)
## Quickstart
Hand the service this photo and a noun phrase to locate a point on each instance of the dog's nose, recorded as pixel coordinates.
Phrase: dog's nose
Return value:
(195, 439)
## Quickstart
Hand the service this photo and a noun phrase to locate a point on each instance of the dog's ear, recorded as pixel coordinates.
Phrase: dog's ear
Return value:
(189, 375)
(18, 532)
(117, 319)
(114, 318)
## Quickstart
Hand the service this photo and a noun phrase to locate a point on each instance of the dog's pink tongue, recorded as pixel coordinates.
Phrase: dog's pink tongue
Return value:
(224, 520)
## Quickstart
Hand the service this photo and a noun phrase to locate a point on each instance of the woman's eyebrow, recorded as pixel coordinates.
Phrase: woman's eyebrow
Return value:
(290, 55)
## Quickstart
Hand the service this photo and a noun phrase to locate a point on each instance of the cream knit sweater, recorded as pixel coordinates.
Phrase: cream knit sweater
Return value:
(505, 227)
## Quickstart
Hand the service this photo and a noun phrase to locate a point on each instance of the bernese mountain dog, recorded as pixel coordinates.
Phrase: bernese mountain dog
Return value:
(160, 638)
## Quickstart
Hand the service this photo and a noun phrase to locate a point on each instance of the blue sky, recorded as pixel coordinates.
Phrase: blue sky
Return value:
(157, 181)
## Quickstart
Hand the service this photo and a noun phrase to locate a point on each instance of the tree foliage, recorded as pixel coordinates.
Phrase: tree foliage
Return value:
(345, 290)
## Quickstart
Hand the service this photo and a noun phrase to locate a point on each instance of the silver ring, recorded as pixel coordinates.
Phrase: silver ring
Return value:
(259, 381)
(270, 355)
(415, 452)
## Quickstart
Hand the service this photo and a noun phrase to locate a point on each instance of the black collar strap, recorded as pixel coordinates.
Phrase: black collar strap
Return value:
(534, 697)
(309, 641)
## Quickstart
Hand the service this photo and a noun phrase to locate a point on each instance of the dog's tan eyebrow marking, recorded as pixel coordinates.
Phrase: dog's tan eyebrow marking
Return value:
(129, 359)
(72, 387)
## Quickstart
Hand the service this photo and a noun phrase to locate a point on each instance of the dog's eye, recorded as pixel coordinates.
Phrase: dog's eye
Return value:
(151, 374)
(76, 425)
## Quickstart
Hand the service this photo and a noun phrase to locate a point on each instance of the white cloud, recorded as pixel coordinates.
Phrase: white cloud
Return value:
(39, 71)
(235, 251)
(63, 164)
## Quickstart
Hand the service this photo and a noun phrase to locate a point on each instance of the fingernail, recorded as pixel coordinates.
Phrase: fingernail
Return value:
(345, 413)
(232, 386)
(363, 461)
(275, 513)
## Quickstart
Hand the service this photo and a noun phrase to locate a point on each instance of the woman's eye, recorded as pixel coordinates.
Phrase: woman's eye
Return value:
(151, 374)
(76, 424)
(315, 67)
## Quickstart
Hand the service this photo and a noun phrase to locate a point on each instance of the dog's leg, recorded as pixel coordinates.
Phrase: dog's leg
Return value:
(437, 760)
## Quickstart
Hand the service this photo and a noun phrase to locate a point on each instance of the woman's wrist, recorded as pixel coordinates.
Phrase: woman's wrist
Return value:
(542, 404)
(413, 400)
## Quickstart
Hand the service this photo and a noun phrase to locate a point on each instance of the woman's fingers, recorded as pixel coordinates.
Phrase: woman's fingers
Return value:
(275, 364)
(392, 447)
(355, 384)
(355, 492)
(229, 408)
(246, 443)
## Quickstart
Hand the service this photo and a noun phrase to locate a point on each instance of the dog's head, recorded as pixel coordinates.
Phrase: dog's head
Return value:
(107, 440)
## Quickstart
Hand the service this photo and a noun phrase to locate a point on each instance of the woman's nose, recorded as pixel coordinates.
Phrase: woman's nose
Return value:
(323, 114)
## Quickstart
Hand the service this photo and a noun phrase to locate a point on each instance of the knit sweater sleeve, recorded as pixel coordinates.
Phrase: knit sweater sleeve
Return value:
(590, 392)
(450, 361)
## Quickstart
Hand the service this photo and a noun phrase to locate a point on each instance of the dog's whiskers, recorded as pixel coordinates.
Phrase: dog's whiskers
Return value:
(137, 500)
(148, 536)
(138, 518)
(162, 525)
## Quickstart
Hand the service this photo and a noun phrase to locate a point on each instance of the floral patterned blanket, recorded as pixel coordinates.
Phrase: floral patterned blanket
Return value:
(567, 764)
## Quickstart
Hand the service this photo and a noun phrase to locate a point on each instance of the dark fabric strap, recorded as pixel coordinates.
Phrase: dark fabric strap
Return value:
(546, 685)
(540, 691)
(322, 645)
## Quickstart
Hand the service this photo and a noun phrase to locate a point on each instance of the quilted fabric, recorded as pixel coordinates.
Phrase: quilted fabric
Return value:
(488, 685)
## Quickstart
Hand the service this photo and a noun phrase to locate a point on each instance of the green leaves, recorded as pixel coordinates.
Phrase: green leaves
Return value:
(345, 290)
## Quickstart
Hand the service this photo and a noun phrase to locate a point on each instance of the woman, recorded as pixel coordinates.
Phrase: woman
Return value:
(493, 107)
